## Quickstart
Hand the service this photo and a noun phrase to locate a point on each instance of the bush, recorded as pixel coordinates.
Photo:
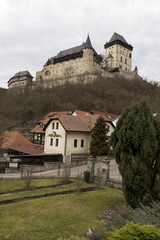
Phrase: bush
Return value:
(132, 231)
(142, 215)
(66, 172)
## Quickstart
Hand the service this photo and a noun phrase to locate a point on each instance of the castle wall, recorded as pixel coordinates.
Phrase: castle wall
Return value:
(54, 74)
(19, 82)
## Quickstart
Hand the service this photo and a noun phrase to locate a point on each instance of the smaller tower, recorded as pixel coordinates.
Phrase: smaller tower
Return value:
(118, 53)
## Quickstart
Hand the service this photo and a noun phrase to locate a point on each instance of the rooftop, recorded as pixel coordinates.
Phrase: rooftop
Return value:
(13, 138)
(22, 73)
(119, 39)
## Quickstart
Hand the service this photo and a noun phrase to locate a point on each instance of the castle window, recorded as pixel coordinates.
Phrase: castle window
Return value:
(126, 69)
(121, 58)
(125, 60)
(130, 55)
(47, 73)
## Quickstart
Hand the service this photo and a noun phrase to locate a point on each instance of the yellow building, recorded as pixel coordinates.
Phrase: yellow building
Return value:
(118, 53)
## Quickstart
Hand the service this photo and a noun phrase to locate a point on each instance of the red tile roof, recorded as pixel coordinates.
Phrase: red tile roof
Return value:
(108, 116)
(13, 138)
(33, 149)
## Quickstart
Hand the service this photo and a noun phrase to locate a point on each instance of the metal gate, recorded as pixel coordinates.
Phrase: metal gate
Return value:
(97, 171)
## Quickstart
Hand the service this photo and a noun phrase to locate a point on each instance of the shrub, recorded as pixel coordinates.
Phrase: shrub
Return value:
(66, 172)
(132, 231)
(27, 175)
(142, 215)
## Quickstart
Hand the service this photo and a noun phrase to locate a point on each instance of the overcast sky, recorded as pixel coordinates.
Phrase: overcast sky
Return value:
(31, 31)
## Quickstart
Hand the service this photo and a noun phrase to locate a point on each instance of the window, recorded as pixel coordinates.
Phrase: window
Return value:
(125, 60)
(75, 142)
(51, 141)
(53, 125)
(57, 124)
(121, 59)
(130, 55)
(82, 142)
(57, 141)
(126, 69)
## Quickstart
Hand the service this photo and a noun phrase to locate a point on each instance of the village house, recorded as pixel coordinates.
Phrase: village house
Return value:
(38, 132)
(70, 135)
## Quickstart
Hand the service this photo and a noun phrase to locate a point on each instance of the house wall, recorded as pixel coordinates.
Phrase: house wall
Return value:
(60, 135)
(79, 136)
(121, 56)
(111, 129)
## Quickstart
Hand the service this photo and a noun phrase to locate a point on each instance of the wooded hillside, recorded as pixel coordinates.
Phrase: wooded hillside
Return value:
(110, 95)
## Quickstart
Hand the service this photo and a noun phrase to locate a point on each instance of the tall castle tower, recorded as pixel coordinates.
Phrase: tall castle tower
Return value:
(118, 53)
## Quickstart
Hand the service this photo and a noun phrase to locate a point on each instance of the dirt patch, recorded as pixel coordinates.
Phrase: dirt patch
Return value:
(34, 188)
(47, 195)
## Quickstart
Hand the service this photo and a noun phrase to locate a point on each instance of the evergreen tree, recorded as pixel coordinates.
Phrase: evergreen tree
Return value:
(99, 140)
(135, 143)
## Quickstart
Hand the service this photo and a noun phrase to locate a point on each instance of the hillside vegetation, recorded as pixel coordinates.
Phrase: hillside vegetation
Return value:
(110, 95)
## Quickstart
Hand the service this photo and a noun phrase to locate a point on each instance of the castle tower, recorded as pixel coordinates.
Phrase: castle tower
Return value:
(118, 53)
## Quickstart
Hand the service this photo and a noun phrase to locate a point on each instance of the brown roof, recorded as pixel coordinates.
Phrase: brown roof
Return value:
(13, 138)
(33, 149)
(77, 123)
(108, 116)
(39, 129)
(56, 115)
(52, 114)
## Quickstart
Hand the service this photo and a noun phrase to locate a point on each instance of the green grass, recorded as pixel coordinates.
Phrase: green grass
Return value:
(57, 216)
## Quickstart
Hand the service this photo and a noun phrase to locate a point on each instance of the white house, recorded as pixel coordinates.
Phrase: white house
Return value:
(69, 135)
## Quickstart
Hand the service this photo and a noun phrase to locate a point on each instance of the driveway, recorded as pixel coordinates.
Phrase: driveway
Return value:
(75, 171)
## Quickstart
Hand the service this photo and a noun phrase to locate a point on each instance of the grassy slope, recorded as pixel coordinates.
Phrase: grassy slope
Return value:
(51, 217)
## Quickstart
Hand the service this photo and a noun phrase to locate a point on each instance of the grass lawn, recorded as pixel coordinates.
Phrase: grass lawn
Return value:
(56, 216)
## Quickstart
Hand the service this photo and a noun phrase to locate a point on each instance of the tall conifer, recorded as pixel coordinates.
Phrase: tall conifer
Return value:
(99, 142)
(136, 148)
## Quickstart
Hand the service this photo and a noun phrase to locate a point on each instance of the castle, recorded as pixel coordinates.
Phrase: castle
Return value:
(82, 63)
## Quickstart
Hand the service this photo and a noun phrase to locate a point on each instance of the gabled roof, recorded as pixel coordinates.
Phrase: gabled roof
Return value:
(39, 128)
(77, 123)
(13, 138)
(117, 38)
(109, 117)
